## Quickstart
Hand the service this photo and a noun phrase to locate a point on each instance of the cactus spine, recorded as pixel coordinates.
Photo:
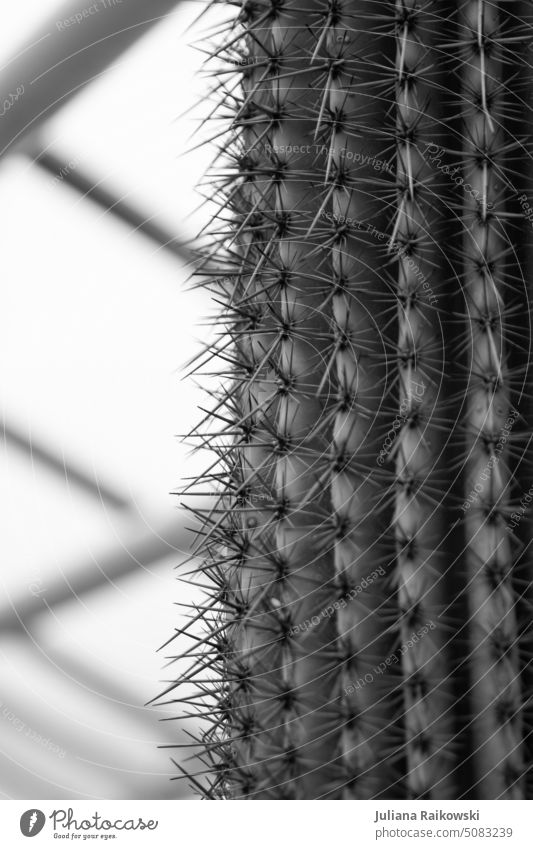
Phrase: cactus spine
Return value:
(326, 666)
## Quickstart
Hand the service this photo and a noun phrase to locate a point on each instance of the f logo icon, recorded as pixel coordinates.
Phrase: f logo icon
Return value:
(32, 822)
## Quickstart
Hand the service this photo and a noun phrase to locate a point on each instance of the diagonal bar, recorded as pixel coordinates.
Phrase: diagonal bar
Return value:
(67, 471)
(90, 188)
(137, 553)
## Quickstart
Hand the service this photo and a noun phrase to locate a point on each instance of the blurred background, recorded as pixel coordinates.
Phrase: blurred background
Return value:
(96, 322)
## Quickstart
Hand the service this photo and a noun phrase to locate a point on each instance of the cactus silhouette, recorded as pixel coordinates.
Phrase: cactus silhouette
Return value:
(365, 628)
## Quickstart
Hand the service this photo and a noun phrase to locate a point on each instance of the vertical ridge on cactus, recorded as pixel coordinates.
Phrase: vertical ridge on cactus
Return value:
(520, 519)
(298, 727)
(418, 522)
(348, 127)
(495, 684)
(327, 659)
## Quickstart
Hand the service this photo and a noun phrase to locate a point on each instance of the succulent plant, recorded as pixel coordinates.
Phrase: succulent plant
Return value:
(365, 630)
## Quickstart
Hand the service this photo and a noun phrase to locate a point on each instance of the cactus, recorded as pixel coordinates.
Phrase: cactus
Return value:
(365, 629)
